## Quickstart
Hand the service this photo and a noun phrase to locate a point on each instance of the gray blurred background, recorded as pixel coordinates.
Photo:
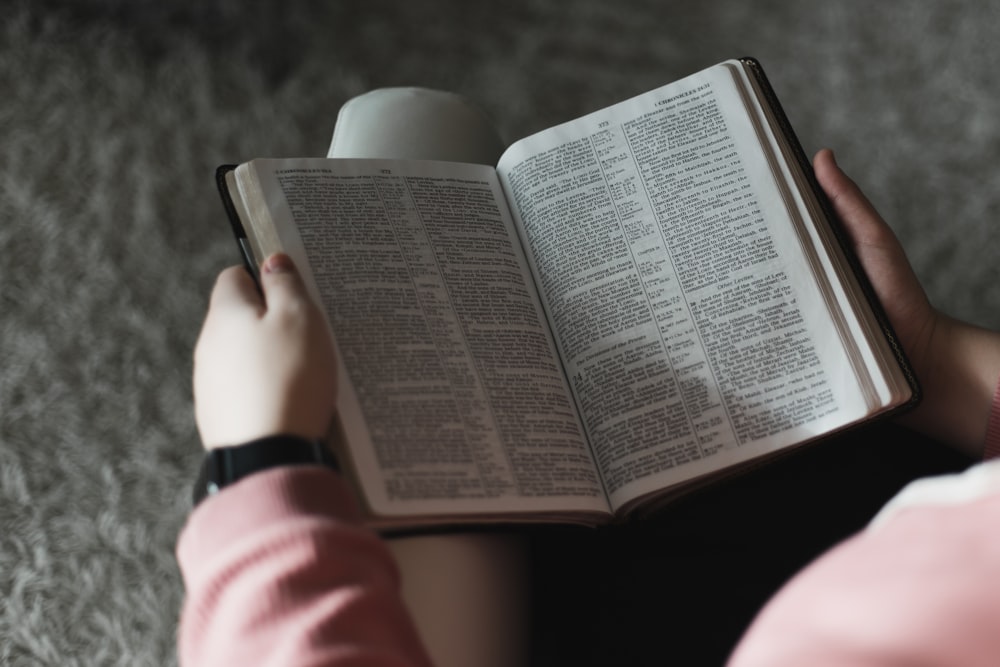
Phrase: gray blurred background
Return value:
(113, 115)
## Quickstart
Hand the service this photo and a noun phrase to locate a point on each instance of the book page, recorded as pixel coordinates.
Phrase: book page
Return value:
(451, 392)
(690, 324)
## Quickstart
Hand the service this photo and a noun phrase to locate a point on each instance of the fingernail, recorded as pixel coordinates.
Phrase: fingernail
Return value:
(278, 263)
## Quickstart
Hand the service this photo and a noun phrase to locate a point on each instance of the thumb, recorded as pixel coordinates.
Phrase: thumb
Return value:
(847, 199)
(281, 281)
(863, 223)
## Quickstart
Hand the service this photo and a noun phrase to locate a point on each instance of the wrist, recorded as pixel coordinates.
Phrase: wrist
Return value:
(219, 430)
(959, 370)
(224, 466)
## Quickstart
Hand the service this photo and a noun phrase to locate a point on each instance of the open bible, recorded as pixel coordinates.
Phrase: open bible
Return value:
(626, 306)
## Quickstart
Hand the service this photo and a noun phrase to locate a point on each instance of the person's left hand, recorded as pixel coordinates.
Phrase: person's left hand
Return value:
(263, 365)
(957, 363)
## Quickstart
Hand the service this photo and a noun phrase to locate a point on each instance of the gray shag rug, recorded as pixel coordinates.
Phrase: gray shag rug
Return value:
(114, 113)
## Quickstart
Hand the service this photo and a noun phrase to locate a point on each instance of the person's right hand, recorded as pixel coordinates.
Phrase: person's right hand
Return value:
(264, 364)
(958, 364)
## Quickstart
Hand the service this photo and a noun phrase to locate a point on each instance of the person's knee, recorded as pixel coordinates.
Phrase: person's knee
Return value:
(415, 123)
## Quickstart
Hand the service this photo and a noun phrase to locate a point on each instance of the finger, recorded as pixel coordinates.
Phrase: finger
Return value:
(281, 282)
(877, 247)
(235, 288)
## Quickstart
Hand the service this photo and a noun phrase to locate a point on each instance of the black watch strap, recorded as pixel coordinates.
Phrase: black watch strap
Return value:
(227, 465)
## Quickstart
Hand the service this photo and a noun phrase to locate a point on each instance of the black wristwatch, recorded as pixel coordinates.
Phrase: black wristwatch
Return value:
(228, 465)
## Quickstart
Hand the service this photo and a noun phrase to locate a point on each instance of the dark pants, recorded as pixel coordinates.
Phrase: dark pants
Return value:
(679, 588)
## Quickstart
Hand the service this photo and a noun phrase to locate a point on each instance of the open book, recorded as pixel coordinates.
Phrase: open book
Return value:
(625, 306)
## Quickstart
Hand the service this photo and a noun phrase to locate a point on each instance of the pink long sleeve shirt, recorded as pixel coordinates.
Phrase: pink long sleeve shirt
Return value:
(279, 571)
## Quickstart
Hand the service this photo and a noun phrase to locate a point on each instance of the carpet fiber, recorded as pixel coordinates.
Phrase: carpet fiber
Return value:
(115, 113)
